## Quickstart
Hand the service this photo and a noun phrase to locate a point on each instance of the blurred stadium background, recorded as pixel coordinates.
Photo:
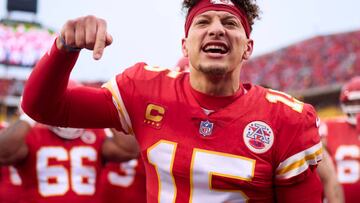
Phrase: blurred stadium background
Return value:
(312, 70)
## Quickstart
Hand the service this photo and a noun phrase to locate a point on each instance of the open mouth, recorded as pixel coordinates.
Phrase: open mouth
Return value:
(216, 48)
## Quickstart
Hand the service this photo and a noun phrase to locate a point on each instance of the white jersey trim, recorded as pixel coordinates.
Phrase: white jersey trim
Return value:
(299, 162)
(119, 104)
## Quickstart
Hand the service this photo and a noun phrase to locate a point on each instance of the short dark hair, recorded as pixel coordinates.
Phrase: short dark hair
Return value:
(250, 8)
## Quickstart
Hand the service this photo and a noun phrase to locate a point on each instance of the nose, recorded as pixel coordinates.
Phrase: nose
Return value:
(216, 28)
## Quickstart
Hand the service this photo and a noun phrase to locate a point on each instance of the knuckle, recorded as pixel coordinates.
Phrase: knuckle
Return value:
(68, 37)
(69, 25)
(90, 42)
(70, 22)
(80, 43)
(90, 18)
(101, 21)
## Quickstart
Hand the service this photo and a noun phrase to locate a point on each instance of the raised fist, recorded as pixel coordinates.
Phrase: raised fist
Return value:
(87, 32)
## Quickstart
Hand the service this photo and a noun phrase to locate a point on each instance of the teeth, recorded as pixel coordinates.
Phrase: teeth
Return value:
(211, 47)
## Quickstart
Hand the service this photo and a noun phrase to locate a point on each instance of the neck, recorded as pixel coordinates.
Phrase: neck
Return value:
(215, 85)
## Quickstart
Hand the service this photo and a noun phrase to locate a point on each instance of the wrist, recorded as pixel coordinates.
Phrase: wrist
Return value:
(61, 45)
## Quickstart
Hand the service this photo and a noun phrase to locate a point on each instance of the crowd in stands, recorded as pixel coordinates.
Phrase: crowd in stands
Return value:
(317, 62)
(23, 44)
(13, 87)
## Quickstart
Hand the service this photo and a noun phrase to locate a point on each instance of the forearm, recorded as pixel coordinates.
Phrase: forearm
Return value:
(120, 147)
(12, 142)
(47, 99)
(47, 84)
(333, 191)
(332, 188)
(127, 144)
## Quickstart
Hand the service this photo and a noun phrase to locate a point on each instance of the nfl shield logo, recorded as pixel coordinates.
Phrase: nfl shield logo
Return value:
(206, 128)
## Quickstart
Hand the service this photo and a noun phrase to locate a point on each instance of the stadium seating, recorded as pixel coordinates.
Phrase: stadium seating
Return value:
(317, 62)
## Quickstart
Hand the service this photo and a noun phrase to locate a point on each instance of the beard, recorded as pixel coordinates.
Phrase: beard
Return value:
(213, 70)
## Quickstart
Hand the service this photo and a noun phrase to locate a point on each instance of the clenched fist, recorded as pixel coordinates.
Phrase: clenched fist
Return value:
(87, 32)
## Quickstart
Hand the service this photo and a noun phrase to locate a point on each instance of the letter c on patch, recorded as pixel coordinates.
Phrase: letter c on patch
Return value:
(154, 113)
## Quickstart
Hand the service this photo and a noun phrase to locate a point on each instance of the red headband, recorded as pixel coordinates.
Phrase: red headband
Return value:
(216, 5)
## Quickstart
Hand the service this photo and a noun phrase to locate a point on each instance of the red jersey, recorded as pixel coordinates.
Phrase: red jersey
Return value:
(124, 182)
(10, 182)
(10, 185)
(262, 140)
(251, 149)
(58, 170)
(343, 144)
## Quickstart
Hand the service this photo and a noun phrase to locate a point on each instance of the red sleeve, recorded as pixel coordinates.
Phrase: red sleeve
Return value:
(308, 190)
(47, 99)
(300, 149)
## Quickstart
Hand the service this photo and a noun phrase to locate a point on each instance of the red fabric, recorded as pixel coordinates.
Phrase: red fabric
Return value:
(178, 129)
(358, 122)
(300, 193)
(47, 100)
(10, 182)
(11, 190)
(124, 182)
(166, 119)
(207, 5)
(58, 170)
(350, 88)
(215, 102)
(343, 145)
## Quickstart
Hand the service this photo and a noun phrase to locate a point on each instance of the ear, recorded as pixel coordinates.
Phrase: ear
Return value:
(183, 47)
(249, 49)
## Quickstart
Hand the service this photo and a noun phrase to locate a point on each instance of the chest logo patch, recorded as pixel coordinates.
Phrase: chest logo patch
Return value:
(206, 128)
(258, 137)
(88, 137)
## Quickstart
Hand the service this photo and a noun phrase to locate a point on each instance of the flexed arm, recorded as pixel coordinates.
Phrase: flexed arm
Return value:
(46, 96)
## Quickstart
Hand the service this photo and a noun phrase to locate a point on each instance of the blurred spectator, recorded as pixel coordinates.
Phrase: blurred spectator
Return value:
(341, 138)
(10, 181)
(124, 182)
(61, 164)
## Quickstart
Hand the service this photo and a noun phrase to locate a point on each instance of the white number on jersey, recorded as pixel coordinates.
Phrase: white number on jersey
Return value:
(129, 170)
(204, 165)
(14, 176)
(348, 171)
(54, 180)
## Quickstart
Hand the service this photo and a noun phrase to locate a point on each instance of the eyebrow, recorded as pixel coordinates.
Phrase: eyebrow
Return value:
(223, 16)
(231, 17)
